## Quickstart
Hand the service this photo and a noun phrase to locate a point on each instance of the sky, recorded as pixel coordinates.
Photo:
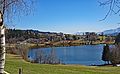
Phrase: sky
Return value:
(67, 16)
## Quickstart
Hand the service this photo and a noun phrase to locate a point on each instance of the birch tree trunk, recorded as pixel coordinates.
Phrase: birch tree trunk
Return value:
(8, 8)
(2, 45)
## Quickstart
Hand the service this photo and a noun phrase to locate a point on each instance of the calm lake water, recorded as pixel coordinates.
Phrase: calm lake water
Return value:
(84, 55)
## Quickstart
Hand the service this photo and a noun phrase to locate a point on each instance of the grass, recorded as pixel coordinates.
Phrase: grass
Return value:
(14, 62)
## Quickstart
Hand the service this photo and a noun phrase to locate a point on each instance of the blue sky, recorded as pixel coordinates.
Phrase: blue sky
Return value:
(68, 16)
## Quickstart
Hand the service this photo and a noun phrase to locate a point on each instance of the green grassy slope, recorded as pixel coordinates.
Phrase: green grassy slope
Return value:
(14, 62)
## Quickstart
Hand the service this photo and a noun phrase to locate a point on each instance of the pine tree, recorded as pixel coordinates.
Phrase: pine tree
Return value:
(106, 54)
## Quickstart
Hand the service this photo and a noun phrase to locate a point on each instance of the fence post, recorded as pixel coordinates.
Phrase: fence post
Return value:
(20, 71)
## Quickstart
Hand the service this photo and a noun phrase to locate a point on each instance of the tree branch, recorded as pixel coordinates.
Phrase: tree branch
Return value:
(114, 7)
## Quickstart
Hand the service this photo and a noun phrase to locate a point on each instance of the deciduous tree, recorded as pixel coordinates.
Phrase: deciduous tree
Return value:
(8, 8)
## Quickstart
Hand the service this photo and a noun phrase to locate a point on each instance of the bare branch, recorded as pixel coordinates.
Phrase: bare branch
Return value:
(16, 8)
(114, 7)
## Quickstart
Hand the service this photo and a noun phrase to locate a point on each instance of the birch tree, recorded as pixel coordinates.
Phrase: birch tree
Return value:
(8, 9)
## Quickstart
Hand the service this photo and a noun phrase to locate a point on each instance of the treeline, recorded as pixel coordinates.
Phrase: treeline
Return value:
(13, 35)
(40, 56)
(16, 35)
(46, 58)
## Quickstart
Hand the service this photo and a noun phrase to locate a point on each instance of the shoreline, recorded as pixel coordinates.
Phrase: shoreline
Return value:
(60, 45)
(26, 47)
(54, 44)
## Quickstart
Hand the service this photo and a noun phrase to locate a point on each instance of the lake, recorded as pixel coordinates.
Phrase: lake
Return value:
(84, 55)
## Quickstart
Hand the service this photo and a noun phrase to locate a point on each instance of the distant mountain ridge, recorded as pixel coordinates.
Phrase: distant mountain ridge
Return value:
(112, 32)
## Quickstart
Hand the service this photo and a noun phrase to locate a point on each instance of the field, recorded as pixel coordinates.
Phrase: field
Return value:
(14, 62)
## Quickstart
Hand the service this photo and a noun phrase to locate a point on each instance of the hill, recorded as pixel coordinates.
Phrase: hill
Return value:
(17, 35)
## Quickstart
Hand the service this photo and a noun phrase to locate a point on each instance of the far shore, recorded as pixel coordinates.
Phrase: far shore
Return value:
(57, 44)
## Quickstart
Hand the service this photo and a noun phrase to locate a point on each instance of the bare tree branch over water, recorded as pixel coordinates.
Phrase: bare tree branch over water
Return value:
(112, 5)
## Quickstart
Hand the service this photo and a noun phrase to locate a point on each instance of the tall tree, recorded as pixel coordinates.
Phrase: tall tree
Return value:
(106, 53)
(2, 44)
(7, 9)
(115, 55)
(117, 39)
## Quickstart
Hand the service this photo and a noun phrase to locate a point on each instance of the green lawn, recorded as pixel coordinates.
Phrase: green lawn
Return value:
(13, 63)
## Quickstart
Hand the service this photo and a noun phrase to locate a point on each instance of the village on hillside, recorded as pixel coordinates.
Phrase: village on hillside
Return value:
(14, 36)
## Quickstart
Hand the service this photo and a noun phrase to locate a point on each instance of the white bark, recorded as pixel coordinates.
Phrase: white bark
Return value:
(2, 49)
